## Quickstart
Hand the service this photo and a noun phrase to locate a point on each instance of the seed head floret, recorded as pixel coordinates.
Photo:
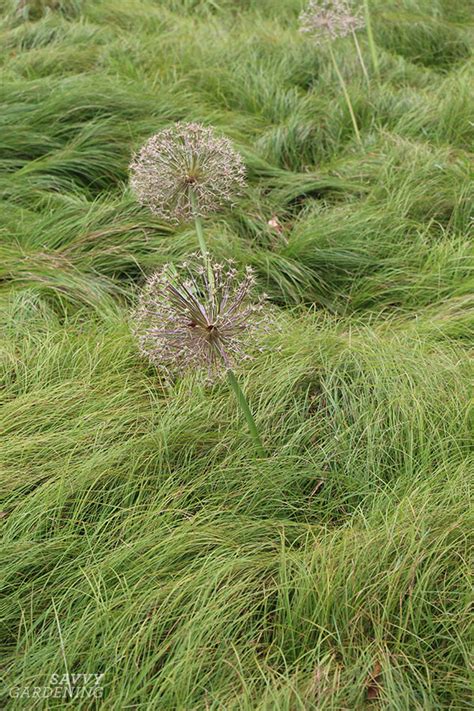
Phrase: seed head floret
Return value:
(186, 171)
(330, 19)
(185, 322)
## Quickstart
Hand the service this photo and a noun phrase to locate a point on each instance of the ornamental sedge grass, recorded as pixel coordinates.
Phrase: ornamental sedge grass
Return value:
(138, 525)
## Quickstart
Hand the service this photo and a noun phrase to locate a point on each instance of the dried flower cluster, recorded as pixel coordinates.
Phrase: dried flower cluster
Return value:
(191, 318)
(330, 19)
(186, 171)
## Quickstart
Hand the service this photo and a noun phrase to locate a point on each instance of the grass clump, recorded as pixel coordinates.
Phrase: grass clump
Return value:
(143, 538)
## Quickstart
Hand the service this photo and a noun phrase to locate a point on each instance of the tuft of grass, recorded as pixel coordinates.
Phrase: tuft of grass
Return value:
(142, 538)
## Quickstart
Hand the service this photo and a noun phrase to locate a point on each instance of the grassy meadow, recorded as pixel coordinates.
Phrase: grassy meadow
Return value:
(142, 536)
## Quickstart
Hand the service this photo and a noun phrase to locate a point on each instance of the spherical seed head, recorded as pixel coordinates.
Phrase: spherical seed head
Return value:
(329, 19)
(186, 170)
(200, 316)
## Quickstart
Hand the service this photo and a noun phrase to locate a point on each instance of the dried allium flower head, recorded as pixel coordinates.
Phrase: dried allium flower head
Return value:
(330, 19)
(187, 320)
(184, 162)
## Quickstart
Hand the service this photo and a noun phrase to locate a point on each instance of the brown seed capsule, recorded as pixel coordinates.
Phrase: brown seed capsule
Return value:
(329, 19)
(184, 321)
(186, 170)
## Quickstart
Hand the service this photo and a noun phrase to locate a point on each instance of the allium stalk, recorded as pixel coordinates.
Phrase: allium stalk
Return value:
(346, 95)
(326, 21)
(201, 241)
(370, 37)
(186, 322)
(361, 58)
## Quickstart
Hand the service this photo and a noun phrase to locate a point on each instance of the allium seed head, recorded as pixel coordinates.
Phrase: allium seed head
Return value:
(187, 320)
(330, 19)
(186, 170)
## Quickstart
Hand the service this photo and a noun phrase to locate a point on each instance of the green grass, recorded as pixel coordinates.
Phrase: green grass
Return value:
(142, 537)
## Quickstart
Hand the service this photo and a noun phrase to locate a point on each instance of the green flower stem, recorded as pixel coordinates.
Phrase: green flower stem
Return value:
(370, 37)
(200, 235)
(202, 242)
(346, 95)
(361, 58)
(244, 406)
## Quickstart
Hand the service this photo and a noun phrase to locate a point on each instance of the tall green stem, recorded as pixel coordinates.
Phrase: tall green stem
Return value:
(346, 95)
(361, 58)
(199, 227)
(244, 406)
(370, 37)
(202, 242)
(200, 236)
